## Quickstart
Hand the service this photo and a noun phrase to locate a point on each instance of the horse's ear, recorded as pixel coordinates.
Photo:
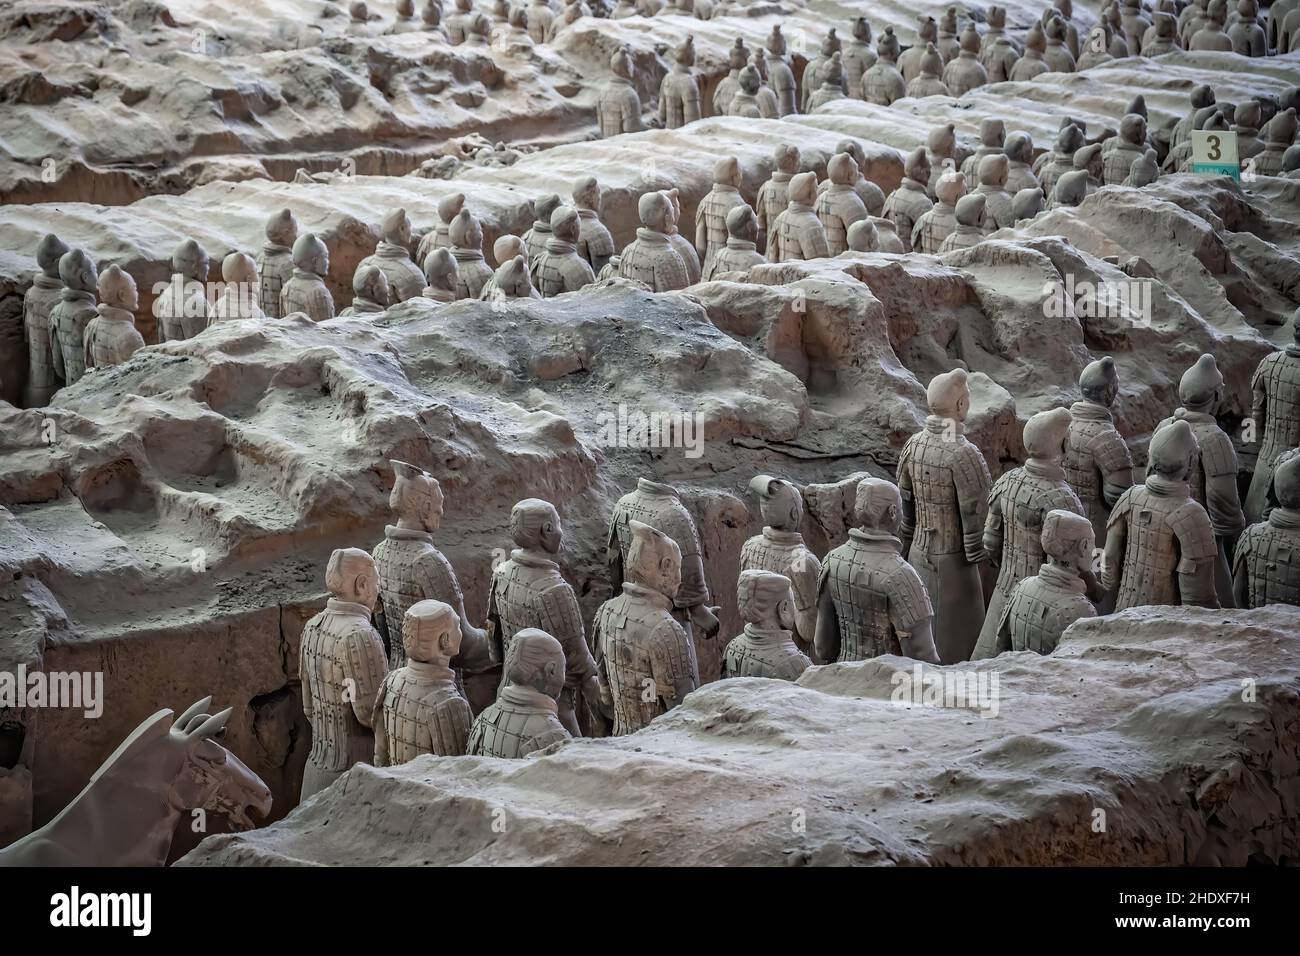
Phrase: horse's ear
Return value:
(198, 707)
(213, 725)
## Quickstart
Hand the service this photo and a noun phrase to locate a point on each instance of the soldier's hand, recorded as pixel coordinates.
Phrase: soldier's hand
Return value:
(706, 619)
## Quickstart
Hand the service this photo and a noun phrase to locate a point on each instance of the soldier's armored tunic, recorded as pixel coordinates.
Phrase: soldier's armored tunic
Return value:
(472, 271)
(1057, 56)
(729, 85)
(832, 85)
(1041, 608)
(941, 220)
(392, 257)
(651, 257)
(1279, 133)
(970, 229)
(182, 309)
(999, 203)
(521, 722)
(1266, 568)
(965, 72)
(439, 237)
(797, 233)
(784, 552)
(711, 214)
(306, 291)
(659, 506)
(910, 201)
(595, 244)
(420, 711)
(909, 62)
(559, 268)
(1097, 462)
(814, 73)
(764, 652)
(618, 110)
(1061, 160)
(539, 233)
(1031, 64)
(111, 337)
(40, 300)
(929, 82)
(341, 665)
(881, 82)
(741, 252)
(679, 93)
(773, 195)
(1275, 407)
(69, 318)
(1119, 152)
(839, 206)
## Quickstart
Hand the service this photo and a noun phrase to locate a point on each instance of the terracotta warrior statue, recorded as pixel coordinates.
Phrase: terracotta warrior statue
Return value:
(1265, 570)
(839, 206)
(1088, 160)
(238, 300)
(412, 569)
(1020, 154)
(869, 600)
(1211, 35)
(529, 592)
(595, 244)
(472, 270)
(440, 276)
(773, 194)
(1162, 37)
(1275, 408)
(764, 648)
(679, 93)
(182, 309)
(523, 719)
(741, 252)
(690, 258)
(998, 52)
(814, 73)
(999, 202)
(729, 85)
(911, 200)
(457, 25)
(393, 258)
(1061, 161)
(863, 236)
(559, 268)
(111, 337)
(909, 63)
(646, 660)
(68, 319)
(439, 237)
(306, 290)
(929, 81)
(750, 100)
(941, 153)
(941, 220)
(857, 57)
(1057, 56)
(971, 216)
(1026, 205)
(944, 483)
(1018, 506)
(797, 233)
(1032, 63)
(1098, 466)
(43, 350)
(1279, 133)
(370, 291)
(872, 196)
(711, 214)
(1043, 605)
(780, 549)
(650, 257)
(511, 281)
(419, 709)
(341, 666)
(965, 72)
(779, 74)
(882, 83)
(539, 234)
(1160, 546)
(618, 110)
(1212, 477)
(1118, 153)
(947, 43)
(832, 84)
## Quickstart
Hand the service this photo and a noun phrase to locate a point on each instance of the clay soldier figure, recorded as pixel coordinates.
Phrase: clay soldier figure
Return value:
(832, 85)
(998, 53)
(995, 29)
(971, 215)
(1213, 473)
(711, 214)
(43, 351)
(1203, 102)
(528, 591)
(412, 569)
(512, 280)
(911, 200)
(618, 110)
(541, 21)
(1068, 142)
(947, 43)
(275, 264)
(1026, 205)
(729, 85)
(1097, 462)
(965, 72)
(993, 137)
(863, 236)
(780, 549)
(941, 152)
(764, 648)
(182, 309)
(869, 600)
(779, 74)
(929, 82)
(773, 194)
(1246, 34)
(111, 337)
(1032, 63)
(857, 57)
(1119, 151)
(769, 107)
(741, 253)
(1043, 605)
(909, 63)
(341, 666)
(238, 300)
(650, 257)
(679, 93)
(839, 207)
(1278, 133)
(872, 196)
(645, 659)
(747, 100)
(1275, 409)
(814, 72)
(998, 202)
(393, 258)
(1071, 189)
(1020, 153)
(467, 249)
(1018, 506)
(419, 710)
(941, 221)
(523, 719)
(440, 276)
(1164, 39)
(690, 258)
(559, 268)
(431, 18)
(1265, 570)
(536, 238)
(68, 319)
(1246, 120)
(306, 291)
(797, 233)
(1144, 170)
(1088, 161)
(882, 84)
(370, 292)
(944, 483)
(595, 244)
(1057, 56)
(1211, 35)
(1160, 546)
(458, 23)
(439, 237)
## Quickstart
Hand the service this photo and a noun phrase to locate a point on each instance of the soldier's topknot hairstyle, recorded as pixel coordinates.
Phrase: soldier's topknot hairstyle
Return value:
(873, 498)
(1062, 532)
(759, 592)
(344, 566)
(529, 652)
(528, 518)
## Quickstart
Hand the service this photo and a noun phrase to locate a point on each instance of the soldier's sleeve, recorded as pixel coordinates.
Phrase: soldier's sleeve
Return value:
(693, 590)
(1197, 550)
(915, 233)
(496, 650)
(436, 576)
(761, 211)
(601, 243)
(691, 101)
(614, 552)
(701, 226)
(907, 521)
(1113, 460)
(56, 349)
(806, 572)
(814, 244)
(1241, 569)
(1222, 500)
(909, 604)
(474, 743)
(670, 664)
(631, 112)
(971, 479)
(1003, 640)
(87, 340)
(564, 620)
(552, 735)
(1259, 397)
(304, 674)
(450, 726)
(826, 639)
(377, 722)
(993, 526)
(1116, 540)
(365, 665)
(774, 239)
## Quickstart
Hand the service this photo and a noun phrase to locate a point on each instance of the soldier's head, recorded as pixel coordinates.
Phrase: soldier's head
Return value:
(310, 254)
(726, 171)
(1055, 30)
(1068, 539)
(1282, 128)
(282, 228)
(621, 63)
(776, 41)
(653, 560)
(1035, 39)
(1217, 11)
(431, 632)
(863, 236)
(397, 228)
(465, 232)
(517, 17)
(887, 45)
(779, 502)
(77, 270)
(1099, 381)
(239, 268)
(853, 148)
(370, 283)
(950, 187)
(842, 170)
(190, 260)
(1291, 159)
(440, 269)
(877, 506)
(535, 659)
(586, 193)
(686, 52)
(1071, 189)
(787, 158)
(656, 211)
(993, 170)
(416, 497)
(1019, 147)
(742, 224)
(1069, 140)
(1087, 159)
(926, 29)
(1201, 387)
(931, 61)
(765, 599)
(1144, 170)
(1202, 96)
(993, 133)
(1065, 7)
(830, 43)
(1027, 203)
(565, 224)
(431, 13)
(948, 22)
(1171, 451)
(535, 524)
(117, 289)
(803, 188)
(359, 11)
(1045, 434)
(970, 40)
(997, 18)
(1248, 115)
(949, 395)
(544, 206)
(513, 280)
(464, 6)
(738, 55)
(1133, 128)
(917, 166)
(970, 210)
(48, 254)
(351, 576)
(750, 80)
(862, 30)
(1286, 481)
(405, 9)
(834, 75)
(449, 207)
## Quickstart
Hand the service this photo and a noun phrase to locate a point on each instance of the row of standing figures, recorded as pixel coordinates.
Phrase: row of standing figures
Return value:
(943, 566)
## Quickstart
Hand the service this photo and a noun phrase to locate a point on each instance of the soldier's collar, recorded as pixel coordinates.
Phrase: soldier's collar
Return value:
(391, 250)
(780, 176)
(76, 295)
(1091, 411)
(275, 249)
(46, 282)
(113, 314)
(1284, 518)
(795, 206)
(523, 696)
(366, 306)
(936, 423)
(724, 188)
(649, 594)
(655, 488)
(1167, 487)
(1044, 469)
(1190, 416)
(646, 234)
(561, 246)
(431, 671)
(587, 213)
(1062, 578)
(531, 558)
(438, 295)
(875, 540)
(304, 274)
(406, 534)
(782, 537)
(351, 608)
(734, 243)
(775, 636)
(467, 255)
(1293, 350)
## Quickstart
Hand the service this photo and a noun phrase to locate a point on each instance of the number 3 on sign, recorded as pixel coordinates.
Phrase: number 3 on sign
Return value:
(1215, 153)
